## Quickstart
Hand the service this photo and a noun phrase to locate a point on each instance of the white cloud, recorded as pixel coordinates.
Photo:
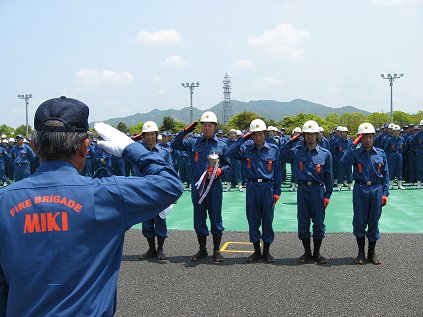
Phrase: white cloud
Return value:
(175, 61)
(95, 77)
(243, 64)
(156, 80)
(158, 37)
(284, 40)
(267, 82)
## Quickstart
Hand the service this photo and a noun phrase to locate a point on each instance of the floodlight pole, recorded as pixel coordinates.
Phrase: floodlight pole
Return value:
(191, 90)
(391, 79)
(26, 97)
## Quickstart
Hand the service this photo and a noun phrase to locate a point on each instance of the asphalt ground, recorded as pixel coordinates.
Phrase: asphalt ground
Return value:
(180, 287)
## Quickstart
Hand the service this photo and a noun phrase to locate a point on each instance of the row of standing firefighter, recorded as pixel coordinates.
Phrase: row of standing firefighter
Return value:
(312, 166)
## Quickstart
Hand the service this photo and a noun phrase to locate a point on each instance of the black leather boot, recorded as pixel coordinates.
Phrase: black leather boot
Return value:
(266, 253)
(361, 257)
(256, 256)
(202, 253)
(217, 256)
(160, 255)
(316, 254)
(151, 252)
(371, 254)
(306, 257)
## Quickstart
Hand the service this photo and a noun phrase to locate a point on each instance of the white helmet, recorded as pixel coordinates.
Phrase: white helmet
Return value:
(296, 130)
(338, 128)
(4, 141)
(149, 126)
(391, 126)
(310, 126)
(343, 129)
(396, 128)
(421, 122)
(208, 116)
(159, 137)
(257, 125)
(12, 140)
(366, 128)
(3, 136)
(272, 128)
(238, 132)
(321, 129)
(232, 130)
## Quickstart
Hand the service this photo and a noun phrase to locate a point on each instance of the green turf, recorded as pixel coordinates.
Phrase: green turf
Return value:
(404, 212)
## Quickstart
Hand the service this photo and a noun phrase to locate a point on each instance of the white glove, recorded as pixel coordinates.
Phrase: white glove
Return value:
(114, 140)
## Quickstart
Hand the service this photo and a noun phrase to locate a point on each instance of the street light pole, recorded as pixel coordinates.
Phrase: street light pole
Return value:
(391, 79)
(26, 97)
(191, 90)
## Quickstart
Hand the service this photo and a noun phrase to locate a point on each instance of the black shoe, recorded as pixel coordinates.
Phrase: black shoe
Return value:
(316, 254)
(371, 254)
(361, 257)
(256, 256)
(151, 252)
(201, 254)
(266, 254)
(160, 255)
(305, 258)
(217, 257)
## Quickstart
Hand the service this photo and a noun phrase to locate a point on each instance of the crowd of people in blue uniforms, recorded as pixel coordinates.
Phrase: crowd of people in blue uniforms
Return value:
(240, 167)
(139, 183)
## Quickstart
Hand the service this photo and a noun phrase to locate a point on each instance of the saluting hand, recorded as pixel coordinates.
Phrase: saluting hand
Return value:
(358, 139)
(248, 136)
(191, 127)
(295, 137)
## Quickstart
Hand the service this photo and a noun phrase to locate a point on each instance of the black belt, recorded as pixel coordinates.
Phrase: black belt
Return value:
(21, 164)
(260, 180)
(368, 183)
(308, 183)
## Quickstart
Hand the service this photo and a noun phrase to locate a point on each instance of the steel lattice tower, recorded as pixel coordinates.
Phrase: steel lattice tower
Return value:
(227, 107)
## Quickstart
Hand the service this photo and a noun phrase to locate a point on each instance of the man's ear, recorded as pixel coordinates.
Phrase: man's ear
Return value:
(83, 149)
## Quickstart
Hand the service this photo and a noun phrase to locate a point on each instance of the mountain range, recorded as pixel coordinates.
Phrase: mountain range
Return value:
(269, 109)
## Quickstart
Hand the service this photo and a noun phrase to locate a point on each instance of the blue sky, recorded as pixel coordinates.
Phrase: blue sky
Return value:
(124, 57)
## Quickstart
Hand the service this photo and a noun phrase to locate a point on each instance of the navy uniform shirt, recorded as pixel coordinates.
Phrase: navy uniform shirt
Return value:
(311, 166)
(200, 148)
(257, 163)
(369, 166)
(23, 154)
(62, 234)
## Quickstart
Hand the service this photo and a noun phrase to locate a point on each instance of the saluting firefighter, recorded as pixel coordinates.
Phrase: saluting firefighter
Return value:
(312, 166)
(371, 189)
(261, 165)
(207, 195)
(155, 227)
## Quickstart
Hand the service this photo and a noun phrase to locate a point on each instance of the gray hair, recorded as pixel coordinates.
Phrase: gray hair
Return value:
(51, 145)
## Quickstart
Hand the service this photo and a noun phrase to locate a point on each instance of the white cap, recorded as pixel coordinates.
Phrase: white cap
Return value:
(366, 128)
(296, 130)
(310, 126)
(149, 126)
(257, 125)
(208, 116)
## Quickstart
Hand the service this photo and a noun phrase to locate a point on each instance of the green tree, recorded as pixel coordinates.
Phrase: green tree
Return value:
(242, 120)
(332, 120)
(135, 129)
(401, 118)
(352, 121)
(171, 124)
(378, 119)
(22, 130)
(9, 131)
(122, 127)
